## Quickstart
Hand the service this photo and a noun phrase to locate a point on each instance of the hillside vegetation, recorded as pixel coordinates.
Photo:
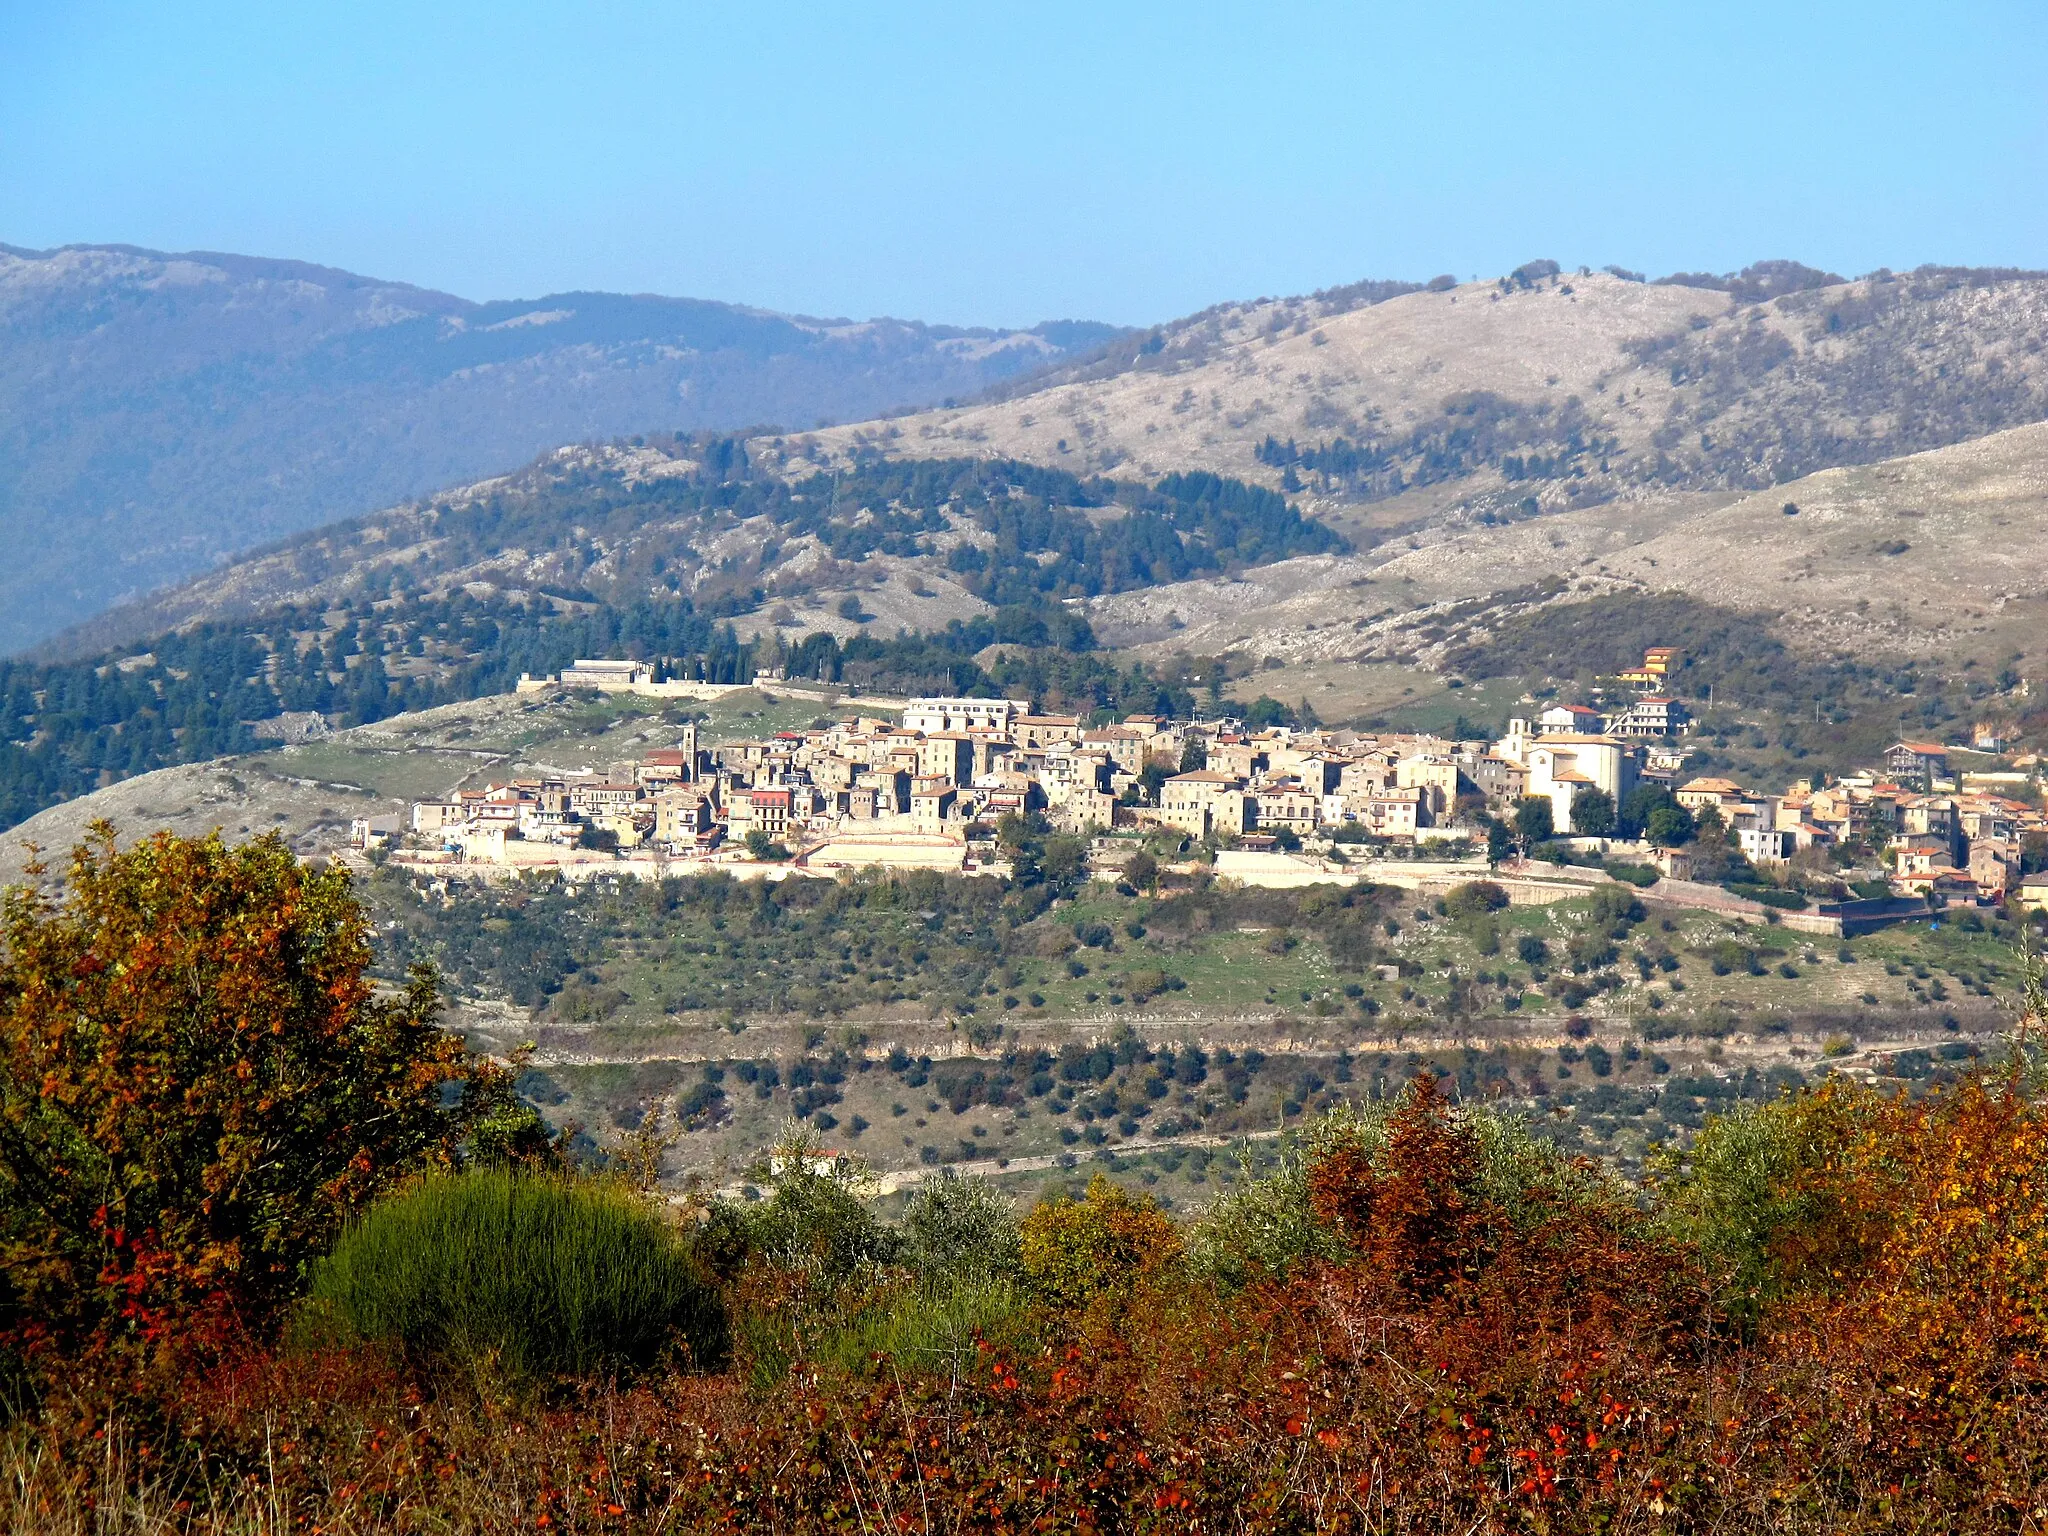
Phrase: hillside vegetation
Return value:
(239, 1188)
(1927, 559)
(647, 553)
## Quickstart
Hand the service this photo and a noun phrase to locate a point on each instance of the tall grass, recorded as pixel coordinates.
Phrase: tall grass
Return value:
(929, 1330)
(541, 1276)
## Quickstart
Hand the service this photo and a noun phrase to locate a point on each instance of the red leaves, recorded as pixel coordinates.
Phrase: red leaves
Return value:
(1410, 1213)
(203, 1060)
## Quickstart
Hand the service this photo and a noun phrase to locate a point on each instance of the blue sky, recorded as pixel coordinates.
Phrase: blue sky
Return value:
(1006, 164)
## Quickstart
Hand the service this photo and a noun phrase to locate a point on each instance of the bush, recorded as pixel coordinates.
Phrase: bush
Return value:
(1772, 896)
(1644, 875)
(198, 1086)
(924, 1329)
(815, 1222)
(545, 1276)
(1265, 1226)
(1475, 898)
(1615, 907)
(1076, 1250)
(959, 1229)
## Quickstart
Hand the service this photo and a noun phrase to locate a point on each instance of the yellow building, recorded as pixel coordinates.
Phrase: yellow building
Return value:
(1659, 662)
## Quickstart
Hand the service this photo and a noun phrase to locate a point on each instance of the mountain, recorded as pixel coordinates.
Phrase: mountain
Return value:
(896, 576)
(160, 413)
(1539, 391)
(1935, 555)
(1830, 493)
(913, 545)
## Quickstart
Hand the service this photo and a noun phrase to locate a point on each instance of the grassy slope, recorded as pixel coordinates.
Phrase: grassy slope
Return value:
(1244, 981)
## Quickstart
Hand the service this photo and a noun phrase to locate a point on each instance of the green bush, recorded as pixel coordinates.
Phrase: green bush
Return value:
(1772, 896)
(1475, 898)
(1644, 875)
(940, 1330)
(958, 1231)
(544, 1276)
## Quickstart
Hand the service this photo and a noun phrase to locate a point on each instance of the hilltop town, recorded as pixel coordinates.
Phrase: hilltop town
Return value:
(939, 786)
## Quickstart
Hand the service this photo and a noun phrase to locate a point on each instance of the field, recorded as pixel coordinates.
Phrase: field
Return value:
(930, 1023)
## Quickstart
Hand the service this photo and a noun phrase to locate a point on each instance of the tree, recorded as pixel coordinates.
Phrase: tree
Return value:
(1532, 820)
(1064, 863)
(1593, 813)
(1500, 842)
(1076, 1250)
(1142, 872)
(1669, 825)
(1637, 807)
(1475, 898)
(199, 1087)
(763, 847)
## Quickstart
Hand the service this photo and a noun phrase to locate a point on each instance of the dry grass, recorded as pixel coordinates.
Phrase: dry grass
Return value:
(1967, 583)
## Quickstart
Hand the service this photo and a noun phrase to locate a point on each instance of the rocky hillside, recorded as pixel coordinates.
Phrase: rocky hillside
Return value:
(1542, 390)
(1933, 555)
(160, 413)
(911, 546)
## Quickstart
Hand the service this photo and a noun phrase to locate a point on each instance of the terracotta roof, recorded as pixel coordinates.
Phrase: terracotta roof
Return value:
(1713, 787)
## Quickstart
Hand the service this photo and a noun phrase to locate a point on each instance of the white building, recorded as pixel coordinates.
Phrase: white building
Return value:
(932, 716)
(1569, 719)
(605, 674)
(1762, 845)
(1564, 766)
(1651, 717)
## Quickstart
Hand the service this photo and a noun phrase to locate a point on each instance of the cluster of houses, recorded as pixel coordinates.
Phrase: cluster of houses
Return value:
(929, 788)
(951, 767)
(1954, 840)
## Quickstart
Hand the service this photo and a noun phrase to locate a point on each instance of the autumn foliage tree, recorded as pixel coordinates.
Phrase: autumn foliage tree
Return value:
(1100, 1245)
(199, 1085)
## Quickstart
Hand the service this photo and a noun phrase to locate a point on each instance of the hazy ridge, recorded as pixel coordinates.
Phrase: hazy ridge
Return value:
(161, 413)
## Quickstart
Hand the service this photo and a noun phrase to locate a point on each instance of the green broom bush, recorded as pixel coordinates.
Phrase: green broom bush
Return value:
(544, 1276)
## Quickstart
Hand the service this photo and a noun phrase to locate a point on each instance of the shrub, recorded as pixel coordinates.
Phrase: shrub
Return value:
(958, 1229)
(1771, 896)
(1100, 1245)
(1264, 1226)
(546, 1276)
(933, 1330)
(1475, 898)
(198, 1086)
(815, 1222)
(1616, 907)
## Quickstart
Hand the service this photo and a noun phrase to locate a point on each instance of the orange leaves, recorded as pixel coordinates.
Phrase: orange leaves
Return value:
(1342, 1185)
(189, 1035)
